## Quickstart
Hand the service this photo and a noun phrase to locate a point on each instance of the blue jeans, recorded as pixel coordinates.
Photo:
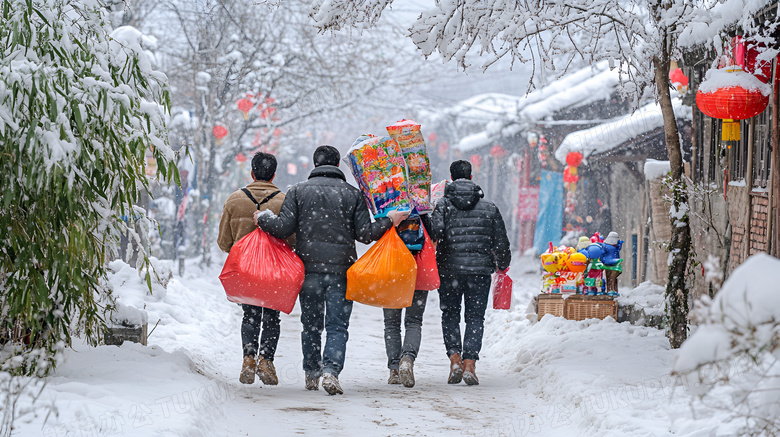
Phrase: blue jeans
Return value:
(473, 290)
(412, 322)
(324, 305)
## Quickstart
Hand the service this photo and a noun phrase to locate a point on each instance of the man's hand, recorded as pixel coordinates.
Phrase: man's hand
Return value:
(398, 216)
(257, 213)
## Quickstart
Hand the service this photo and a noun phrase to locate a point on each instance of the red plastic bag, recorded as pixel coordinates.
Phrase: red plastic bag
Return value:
(427, 272)
(385, 276)
(263, 271)
(502, 291)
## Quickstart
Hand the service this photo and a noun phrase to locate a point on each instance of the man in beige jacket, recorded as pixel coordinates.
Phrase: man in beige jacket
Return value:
(237, 221)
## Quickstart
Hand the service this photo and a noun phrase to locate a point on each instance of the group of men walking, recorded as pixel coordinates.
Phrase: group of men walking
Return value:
(322, 218)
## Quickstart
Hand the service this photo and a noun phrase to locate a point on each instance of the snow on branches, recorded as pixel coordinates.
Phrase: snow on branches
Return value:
(80, 114)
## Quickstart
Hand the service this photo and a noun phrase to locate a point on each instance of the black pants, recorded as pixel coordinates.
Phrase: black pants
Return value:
(473, 291)
(250, 331)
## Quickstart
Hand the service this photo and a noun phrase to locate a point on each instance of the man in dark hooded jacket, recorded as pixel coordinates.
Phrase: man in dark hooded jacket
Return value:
(327, 215)
(472, 245)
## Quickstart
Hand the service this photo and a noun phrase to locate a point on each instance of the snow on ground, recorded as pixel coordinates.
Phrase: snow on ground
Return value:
(552, 378)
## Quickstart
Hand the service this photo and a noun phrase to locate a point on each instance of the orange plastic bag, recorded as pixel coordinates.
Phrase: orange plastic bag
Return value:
(385, 276)
(263, 271)
(427, 272)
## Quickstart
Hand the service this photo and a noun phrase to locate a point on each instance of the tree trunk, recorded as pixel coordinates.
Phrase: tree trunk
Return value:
(680, 244)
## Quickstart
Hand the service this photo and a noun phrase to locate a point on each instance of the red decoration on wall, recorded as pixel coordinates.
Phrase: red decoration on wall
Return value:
(746, 54)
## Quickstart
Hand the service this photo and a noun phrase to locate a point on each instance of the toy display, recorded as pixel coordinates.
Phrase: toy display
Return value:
(604, 258)
(380, 171)
(409, 137)
(584, 269)
(563, 270)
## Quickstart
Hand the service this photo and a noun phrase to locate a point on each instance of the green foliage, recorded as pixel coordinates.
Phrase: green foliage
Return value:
(79, 112)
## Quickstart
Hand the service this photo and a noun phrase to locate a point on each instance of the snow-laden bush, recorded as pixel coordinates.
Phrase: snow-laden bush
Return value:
(79, 111)
(731, 361)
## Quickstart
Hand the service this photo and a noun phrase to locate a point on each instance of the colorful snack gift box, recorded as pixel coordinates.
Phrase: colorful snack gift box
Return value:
(409, 137)
(380, 170)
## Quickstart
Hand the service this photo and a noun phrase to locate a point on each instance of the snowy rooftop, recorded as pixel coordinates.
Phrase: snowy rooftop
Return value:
(607, 136)
(582, 87)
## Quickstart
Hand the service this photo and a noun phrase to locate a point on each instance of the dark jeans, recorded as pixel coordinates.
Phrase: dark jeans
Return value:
(474, 290)
(413, 324)
(250, 330)
(324, 305)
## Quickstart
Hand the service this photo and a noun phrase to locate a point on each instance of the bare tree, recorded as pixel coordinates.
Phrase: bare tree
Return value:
(218, 52)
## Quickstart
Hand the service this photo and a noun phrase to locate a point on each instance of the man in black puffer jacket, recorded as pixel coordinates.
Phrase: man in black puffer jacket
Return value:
(327, 215)
(472, 244)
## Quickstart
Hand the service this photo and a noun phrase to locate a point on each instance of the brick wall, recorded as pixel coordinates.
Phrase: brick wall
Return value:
(758, 223)
(737, 239)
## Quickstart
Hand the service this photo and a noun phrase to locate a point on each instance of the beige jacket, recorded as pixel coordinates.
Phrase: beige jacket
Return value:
(237, 214)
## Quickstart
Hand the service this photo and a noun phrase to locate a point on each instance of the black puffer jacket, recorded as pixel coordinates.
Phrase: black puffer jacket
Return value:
(470, 232)
(327, 215)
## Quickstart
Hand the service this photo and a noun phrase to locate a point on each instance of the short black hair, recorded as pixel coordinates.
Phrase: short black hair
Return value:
(263, 166)
(460, 170)
(326, 155)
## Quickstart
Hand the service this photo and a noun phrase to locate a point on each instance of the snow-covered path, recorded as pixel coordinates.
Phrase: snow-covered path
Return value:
(552, 378)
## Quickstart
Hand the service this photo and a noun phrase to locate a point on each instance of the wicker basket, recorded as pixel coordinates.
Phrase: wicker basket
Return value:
(550, 304)
(590, 307)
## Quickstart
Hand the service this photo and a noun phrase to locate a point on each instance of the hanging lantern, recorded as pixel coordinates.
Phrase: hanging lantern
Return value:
(219, 132)
(498, 152)
(570, 176)
(241, 157)
(245, 105)
(443, 148)
(267, 110)
(732, 95)
(432, 136)
(679, 80)
(476, 161)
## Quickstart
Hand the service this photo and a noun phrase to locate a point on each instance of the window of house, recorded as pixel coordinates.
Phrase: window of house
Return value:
(762, 148)
(737, 153)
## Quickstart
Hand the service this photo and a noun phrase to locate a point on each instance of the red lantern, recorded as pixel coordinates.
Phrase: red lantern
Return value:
(731, 103)
(476, 161)
(268, 110)
(574, 159)
(432, 137)
(443, 148)
(679, 79)
(746, 53)
(498, 152)
(245, 105)
(241, 157)
(219, 132)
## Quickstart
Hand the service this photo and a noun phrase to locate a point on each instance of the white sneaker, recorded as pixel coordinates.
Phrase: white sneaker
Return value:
(330, 383)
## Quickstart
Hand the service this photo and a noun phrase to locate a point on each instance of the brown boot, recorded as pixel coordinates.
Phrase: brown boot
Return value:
(394, 378)
(470, 372)
(248, 370)
(266, 371)
(456, 369)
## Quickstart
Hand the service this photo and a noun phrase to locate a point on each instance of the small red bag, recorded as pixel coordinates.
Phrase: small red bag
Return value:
(502, 291)
(427, 272)
(263, 271)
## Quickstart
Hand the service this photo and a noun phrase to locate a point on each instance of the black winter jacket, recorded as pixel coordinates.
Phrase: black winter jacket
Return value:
(327, 215)
(470, 232)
